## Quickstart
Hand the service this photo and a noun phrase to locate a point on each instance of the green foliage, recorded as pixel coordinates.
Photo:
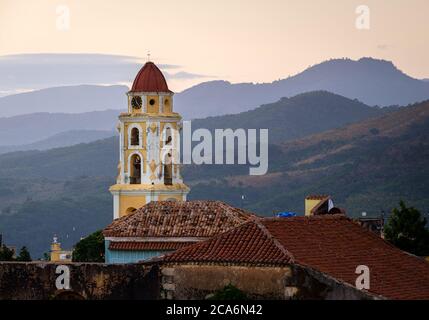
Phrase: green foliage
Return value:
(24, 255)
(65, 191)
(90, 249)
(406, 230)
(229, 292)
(295, 117)
(6, 254)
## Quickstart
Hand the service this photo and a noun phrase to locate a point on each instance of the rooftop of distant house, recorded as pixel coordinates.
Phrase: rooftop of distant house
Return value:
(197, 219)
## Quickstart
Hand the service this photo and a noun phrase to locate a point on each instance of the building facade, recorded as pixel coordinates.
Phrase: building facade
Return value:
(57, 254)
(148, 168)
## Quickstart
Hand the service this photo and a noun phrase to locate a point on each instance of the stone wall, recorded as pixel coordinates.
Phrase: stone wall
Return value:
(196, 281)
(37, 281)
(199, 281)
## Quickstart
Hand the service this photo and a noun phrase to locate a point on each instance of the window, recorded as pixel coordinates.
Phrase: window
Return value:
(135, 137)
(168, 170)
(168, 137)
(135, 169)
(152, 102)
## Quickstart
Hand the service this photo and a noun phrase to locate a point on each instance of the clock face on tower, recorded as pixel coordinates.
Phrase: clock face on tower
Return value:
(136, 102)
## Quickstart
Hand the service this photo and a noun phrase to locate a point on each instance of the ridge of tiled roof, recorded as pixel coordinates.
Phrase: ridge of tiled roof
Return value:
(331, 244)
(317, 197)
(255, 245)
(147, 245)
(198, 218)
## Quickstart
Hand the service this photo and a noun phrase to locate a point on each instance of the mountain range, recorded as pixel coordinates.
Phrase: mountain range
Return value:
(366, 165)
(295, 117)
(62, 139)
(371, 81)
(32, 128)
(67, 99)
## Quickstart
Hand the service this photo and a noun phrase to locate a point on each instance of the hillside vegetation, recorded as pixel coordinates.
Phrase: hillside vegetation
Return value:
(366, 166)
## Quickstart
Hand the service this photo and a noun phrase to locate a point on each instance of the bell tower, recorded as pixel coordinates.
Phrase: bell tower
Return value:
(149, 146)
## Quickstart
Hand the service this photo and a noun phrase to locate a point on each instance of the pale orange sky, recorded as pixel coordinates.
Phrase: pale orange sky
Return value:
(235, 40)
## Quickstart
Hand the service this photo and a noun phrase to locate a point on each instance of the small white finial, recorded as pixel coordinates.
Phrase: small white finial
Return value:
(148, 56)
(55, 239)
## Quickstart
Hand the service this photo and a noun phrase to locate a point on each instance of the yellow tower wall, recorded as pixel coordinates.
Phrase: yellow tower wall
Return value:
(310, 204)
(130, 201)
(155, 107)
(164, 197)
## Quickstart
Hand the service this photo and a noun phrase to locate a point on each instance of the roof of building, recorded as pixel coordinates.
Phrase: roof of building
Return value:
(150, 79)
(147, 245)
(248, 243)
(316, 197)
(332, 244)
(178, 219)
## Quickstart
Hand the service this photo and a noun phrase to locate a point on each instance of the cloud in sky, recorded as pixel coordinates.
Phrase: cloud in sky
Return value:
(383, 46)
(185, 75)
(26, 72)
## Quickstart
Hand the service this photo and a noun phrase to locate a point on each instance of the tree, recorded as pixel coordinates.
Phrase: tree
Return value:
(229, 292)
(90, 249)
(46, 256)
(24, 255)
(406, 229)
(6, 254)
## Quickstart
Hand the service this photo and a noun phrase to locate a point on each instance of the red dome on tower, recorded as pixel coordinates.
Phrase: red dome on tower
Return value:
(150, 79)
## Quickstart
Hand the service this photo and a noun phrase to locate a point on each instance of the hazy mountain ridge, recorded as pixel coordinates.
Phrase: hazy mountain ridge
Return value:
(67, 99)
(295, 117)
(372, 81)
(288, 118)
(366, 166)
(63, 139)
(31, 128)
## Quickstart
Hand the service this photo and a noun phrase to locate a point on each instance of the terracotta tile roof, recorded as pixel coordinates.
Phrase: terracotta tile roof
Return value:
(149, 79)
(147, 245)
(334, 245)
(316, 197)
(247, 244)
(178, 219)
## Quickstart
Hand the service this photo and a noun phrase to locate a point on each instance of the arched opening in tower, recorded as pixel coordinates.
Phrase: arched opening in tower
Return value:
(130, 210)
(168, 137)
(168, 170)
(135, 139)
(135, 174)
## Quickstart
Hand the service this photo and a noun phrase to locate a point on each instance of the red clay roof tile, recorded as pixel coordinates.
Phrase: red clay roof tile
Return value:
(334, 245)
(147, 245)
(178, 219)
(150, 79)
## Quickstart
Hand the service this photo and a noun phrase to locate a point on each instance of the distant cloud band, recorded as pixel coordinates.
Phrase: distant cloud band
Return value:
(26, 72)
